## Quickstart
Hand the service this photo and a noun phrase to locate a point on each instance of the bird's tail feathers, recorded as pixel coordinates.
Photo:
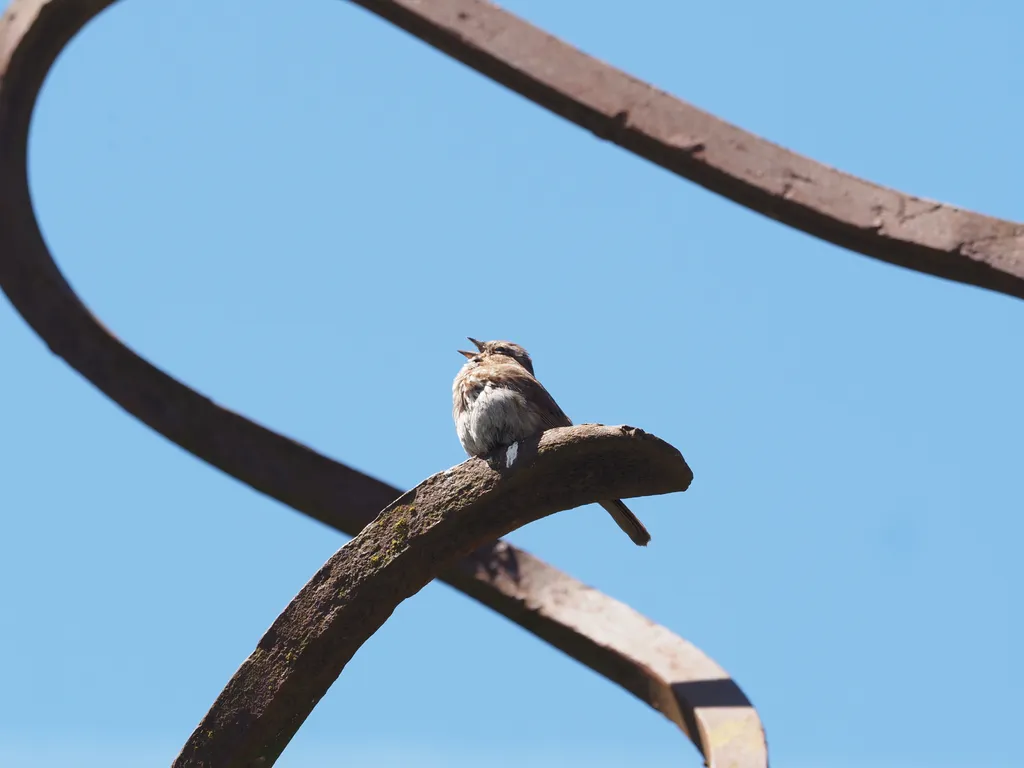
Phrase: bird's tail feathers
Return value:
(628, 522)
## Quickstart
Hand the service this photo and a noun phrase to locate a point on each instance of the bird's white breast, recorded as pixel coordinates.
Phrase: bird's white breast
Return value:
(494, 417)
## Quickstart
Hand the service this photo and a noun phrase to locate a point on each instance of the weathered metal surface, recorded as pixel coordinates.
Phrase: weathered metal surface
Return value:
(443, 518)
(873, 220)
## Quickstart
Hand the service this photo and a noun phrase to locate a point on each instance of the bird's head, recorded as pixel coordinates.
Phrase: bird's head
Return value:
(506, 348)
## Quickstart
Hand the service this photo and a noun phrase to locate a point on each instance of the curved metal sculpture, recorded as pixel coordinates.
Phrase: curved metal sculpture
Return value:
(661, 669)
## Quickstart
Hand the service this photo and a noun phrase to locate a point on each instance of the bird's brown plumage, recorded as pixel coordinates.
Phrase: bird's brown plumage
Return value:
(496, 401)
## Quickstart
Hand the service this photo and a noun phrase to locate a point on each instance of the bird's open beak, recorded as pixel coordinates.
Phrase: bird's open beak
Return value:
(467, 354)
(478, 344)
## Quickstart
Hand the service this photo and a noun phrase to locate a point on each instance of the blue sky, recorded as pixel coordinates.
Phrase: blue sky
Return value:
(303, 213)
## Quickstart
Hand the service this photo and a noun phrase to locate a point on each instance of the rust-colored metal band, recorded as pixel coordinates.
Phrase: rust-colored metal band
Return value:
(873, 220)
(661, 669)
(275, 689)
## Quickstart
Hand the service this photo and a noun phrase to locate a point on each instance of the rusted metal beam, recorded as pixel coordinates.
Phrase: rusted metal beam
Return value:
(394, 557)
(876, 221)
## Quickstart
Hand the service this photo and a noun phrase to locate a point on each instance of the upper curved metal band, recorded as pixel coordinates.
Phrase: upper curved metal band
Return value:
(658, 667)
(883, 223)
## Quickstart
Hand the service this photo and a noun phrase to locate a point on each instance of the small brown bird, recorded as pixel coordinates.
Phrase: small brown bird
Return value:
(497, 401)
